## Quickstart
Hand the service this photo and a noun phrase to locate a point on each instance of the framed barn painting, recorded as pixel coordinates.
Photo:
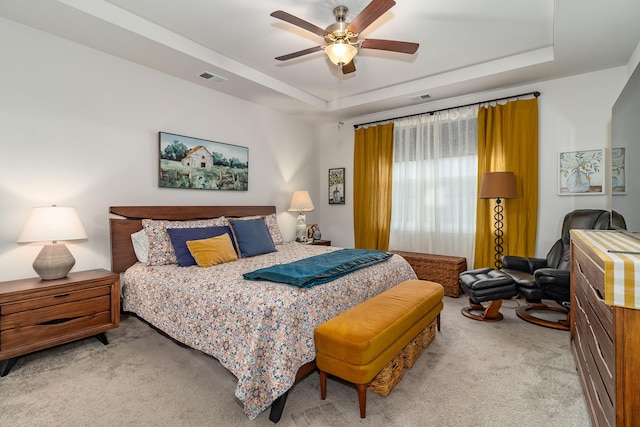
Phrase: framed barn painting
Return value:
(336, 186)
(187, 162)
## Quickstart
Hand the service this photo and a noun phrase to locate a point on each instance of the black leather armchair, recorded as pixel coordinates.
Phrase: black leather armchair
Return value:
(539, 279)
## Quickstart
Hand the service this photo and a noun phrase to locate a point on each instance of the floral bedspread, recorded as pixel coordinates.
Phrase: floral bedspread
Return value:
(260, 331)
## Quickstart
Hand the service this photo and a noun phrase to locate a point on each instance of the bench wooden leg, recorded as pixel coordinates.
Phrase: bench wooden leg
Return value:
(438, 321)
(362, 399)
(323, 385)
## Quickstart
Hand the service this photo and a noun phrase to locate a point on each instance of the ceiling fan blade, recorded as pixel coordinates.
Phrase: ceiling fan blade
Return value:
(370, 13)
(392, 45)
(349, 68)
(287, 17)
(299, 53)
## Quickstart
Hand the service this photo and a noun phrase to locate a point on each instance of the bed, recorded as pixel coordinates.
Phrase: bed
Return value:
(262, 332)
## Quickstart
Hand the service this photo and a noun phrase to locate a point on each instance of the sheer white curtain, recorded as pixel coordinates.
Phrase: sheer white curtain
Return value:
(435, 183)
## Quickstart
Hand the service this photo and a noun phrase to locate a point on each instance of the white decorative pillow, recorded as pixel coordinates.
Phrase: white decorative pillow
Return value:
(161, 250)
(141, 245)
(272, 224)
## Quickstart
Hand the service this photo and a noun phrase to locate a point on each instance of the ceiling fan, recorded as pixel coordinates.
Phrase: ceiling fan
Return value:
(343, 37)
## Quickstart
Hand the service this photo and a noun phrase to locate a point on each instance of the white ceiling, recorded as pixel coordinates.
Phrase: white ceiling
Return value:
(466, 46)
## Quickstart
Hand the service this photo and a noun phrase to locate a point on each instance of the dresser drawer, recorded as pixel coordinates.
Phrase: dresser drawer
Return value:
(598, 351)
(588, 268)
(596, 332)
(599, 313)
(600, 401)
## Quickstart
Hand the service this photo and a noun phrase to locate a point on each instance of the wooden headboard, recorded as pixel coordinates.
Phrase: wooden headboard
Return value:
(130, 221)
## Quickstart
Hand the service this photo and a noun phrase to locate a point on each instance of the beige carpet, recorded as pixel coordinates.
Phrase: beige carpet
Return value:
(474, 374)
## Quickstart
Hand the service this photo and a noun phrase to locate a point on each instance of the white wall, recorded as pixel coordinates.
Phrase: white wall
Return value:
(634, 60)
(574, 113)
(80, 128)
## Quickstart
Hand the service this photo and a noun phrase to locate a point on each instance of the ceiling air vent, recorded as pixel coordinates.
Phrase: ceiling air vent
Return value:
(213, 77)
(419, 98)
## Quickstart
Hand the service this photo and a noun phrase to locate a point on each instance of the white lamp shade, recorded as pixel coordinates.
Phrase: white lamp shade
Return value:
(301, 202)
(52, 223)
(341, 52)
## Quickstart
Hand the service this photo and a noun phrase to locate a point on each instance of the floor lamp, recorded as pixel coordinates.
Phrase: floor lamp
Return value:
(498, 185)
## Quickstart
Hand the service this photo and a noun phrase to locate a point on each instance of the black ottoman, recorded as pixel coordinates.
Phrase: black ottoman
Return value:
(486, 284)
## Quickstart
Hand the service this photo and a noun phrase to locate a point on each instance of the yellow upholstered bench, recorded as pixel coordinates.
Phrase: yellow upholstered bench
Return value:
(357, 344)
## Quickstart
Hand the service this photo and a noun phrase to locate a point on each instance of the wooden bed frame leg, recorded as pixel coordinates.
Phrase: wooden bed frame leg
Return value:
(277, 407)
(323, 385)
(362, 399)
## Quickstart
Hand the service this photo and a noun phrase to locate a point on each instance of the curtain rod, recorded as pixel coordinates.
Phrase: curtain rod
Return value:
(536, 94)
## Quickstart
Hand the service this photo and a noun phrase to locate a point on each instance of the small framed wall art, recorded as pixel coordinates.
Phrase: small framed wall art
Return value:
(581, 172)
(187, 162)
(336, 186)
(618, 170)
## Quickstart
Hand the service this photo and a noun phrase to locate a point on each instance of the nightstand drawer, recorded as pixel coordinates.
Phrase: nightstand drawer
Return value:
(37, 303)
(23, 336)
(56, 313)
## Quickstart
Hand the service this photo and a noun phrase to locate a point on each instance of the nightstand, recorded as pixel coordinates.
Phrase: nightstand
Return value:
(321, 242)
(36, 314)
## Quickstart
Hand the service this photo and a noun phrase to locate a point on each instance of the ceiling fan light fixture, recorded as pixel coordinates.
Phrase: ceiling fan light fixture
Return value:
(342, 38)
(341, 52)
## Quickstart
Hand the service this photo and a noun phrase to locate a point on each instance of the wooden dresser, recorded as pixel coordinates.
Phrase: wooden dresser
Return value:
(605, 324)
(37, 314)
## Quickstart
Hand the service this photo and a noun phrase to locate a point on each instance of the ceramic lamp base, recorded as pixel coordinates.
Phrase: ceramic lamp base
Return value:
(301, 228)
(54, 262)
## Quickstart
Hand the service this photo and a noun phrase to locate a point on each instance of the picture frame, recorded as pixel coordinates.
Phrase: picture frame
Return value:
(311, 229)
(581, 172)
(618, 170)
(194, 163)
(336, 186)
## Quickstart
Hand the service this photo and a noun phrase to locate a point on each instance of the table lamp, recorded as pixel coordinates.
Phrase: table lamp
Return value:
(498, 185)
(51, 224)
(301, 202)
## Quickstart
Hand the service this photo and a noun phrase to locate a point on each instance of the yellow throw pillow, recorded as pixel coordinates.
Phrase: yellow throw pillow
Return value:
(212, 251)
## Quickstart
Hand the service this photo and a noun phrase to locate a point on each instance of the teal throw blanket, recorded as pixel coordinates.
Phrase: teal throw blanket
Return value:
(318, 269)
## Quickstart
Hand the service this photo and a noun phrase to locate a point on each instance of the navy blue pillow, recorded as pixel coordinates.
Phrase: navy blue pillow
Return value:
(252, 236)
(180, 236)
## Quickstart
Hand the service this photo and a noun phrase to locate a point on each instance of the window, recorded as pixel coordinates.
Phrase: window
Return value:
(435, 183)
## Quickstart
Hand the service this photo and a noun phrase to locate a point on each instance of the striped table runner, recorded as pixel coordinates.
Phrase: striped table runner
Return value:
(621, 255)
